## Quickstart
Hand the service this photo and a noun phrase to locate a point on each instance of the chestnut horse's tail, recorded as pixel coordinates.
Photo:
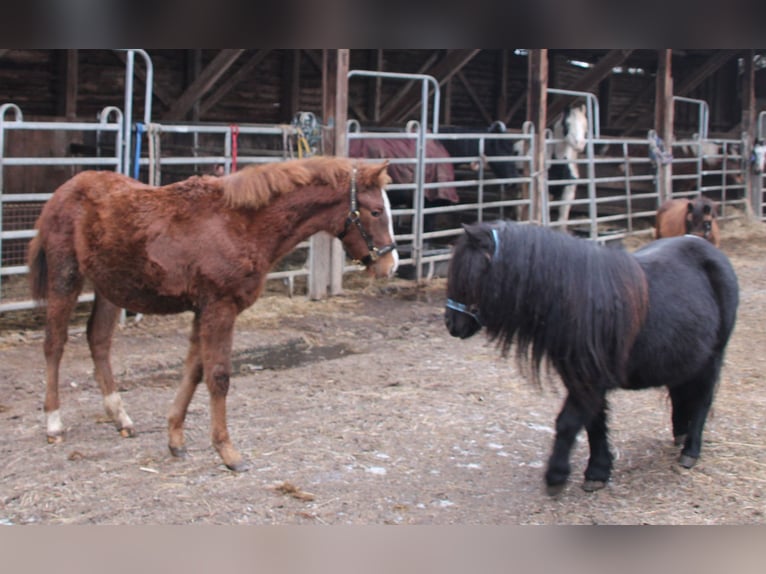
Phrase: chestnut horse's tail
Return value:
(38, 269)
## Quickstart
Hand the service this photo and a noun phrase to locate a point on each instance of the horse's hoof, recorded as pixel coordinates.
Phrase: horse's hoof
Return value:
(240, 466)
(55, 438)
(127, 432)
(687, 461)
(555, 489)
(679, 439)
(593, 485)
(178, 451)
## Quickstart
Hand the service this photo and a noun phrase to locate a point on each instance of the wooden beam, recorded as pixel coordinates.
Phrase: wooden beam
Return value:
(291, 85)
(501, 89)
(236, 78)
(394, 101)
(537, 104)
(592, 78)
(663, 118)
(68, 82)
(443, 70)
(375, 86)
(475, 98)
(685, 86)
(326, 252)
(749, 119)
(355, 107)
(199, 87)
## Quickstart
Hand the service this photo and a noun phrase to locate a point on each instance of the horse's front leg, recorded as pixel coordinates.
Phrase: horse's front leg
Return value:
(101, 324)
(567, 197)
(216, 335)
(568, 423)
(191, 378)
(599, 467)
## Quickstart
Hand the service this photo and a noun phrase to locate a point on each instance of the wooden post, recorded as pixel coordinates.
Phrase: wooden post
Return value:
(749, 119)
(326, 256)
(537, 104)
(68, 72)
(663, 119)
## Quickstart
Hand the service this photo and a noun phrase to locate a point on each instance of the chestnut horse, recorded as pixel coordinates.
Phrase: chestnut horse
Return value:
(688, 217)
(203, 245)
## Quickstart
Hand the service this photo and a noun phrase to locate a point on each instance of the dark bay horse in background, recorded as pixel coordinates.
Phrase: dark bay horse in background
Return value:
(603, 319)
(203, 245)
(499, 152)
(682, 216)
(570, 130)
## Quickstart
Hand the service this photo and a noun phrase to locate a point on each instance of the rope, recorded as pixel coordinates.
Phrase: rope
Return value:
(234, 146)
(140, 128)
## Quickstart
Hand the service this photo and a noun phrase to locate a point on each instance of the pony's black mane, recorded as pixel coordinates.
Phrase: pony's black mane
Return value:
(565, 299)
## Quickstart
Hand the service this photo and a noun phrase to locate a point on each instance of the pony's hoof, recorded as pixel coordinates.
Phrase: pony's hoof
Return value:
(593, 485)
(240, 466)
(55, 438)
(554, 489)
(687, 461)
(127, 432)
(178, 451)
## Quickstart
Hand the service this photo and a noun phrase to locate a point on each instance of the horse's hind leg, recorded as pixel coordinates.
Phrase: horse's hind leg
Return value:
(698, 398)
(101, 324)
(191, 378)
(63, 288)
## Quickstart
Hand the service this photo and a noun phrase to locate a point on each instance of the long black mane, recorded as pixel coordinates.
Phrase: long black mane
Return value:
(573, 302)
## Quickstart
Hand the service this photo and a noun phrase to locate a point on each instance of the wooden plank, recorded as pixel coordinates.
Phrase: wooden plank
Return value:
(326, 254)
(537, 104)
(685, 86)
(442, 71)
(502, 84)
(68, 81)
(749, 119)
(201, 85)
(291, 84)
(244, 72)
(475, 98)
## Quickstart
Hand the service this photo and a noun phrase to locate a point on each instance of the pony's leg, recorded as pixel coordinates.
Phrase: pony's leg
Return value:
(679, 400)
(216, 334)
(59, 309)
(191, 379)
(599, 467)
(698, 405)
(568, 423)
(101, 324)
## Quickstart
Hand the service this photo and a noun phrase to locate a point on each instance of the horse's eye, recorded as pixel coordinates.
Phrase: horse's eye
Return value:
(375, 213)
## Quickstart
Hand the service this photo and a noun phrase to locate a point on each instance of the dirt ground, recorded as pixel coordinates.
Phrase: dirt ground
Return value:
(362, 409)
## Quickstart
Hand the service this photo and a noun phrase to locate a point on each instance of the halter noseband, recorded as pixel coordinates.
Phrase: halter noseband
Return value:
(462, 307)
(353, 218)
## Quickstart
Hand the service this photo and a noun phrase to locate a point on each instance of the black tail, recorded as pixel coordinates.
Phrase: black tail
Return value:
(38, 269)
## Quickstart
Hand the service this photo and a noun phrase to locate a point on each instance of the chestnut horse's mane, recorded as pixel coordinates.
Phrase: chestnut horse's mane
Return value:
(256, 186)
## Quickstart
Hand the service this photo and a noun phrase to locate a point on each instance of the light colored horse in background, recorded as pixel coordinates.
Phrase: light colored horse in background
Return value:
(570, 132)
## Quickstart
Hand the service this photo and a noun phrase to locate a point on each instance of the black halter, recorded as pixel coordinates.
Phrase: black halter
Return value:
(473, 311)
(353, 219)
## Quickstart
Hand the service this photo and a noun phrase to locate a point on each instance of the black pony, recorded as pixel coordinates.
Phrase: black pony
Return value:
(603, 319)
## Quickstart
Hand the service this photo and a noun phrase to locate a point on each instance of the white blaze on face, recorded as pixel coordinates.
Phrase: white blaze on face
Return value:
(387, 205)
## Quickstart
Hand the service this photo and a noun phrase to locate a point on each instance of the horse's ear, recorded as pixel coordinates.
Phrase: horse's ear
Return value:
(380, 175)
(480, 237)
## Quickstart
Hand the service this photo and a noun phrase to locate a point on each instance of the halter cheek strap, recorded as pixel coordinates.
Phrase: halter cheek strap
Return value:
(462, 307)
(353, 218)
